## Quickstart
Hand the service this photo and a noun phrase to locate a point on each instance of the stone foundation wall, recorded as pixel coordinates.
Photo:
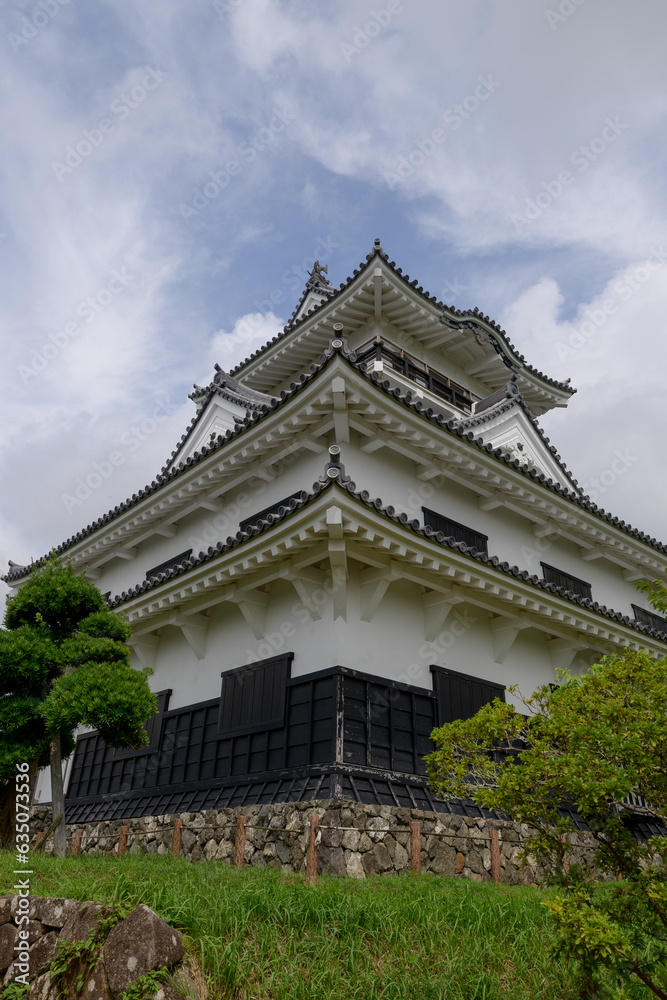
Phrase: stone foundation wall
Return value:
(354, 839)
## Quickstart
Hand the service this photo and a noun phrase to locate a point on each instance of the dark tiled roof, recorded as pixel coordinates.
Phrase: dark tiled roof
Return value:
(469, 318)
(452, 426)
(334, 474)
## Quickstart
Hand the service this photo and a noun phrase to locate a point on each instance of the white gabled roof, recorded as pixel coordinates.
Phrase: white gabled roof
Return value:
(503, 421)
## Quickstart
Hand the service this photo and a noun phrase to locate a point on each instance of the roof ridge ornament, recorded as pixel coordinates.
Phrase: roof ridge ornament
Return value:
(377, 249)
(316, 280)
(334, 469)
(338, 342)
(510, 390)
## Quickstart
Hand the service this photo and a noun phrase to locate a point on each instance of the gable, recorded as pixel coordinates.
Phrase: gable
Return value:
(515, 434)
(217, 416)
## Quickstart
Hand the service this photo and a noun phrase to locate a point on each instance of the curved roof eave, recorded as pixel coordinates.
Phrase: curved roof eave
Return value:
(473, 317)
(452, 426)
(387, 511)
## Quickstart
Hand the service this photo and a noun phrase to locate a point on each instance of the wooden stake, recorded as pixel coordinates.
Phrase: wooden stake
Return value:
(78, 837)
(566, 857)
(176, 838)
(311, 857)
(239, 841)
(42, 839)
(122, 843)
(415, 846)
(494, 844)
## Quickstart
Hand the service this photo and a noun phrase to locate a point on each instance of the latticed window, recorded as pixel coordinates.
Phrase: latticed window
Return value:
(566, 581)
(650, 619)
(453, 529)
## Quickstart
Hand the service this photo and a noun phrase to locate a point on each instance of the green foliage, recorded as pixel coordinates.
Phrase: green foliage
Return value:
(64, 663)
(80, 956)
(259, 932)
(110, 696)
(107, 625)
(22, 733)
(146, 986)
(589, 743)
(54, 596)
(15, 991)
(180, 984)
(28, 660)
(657, 593)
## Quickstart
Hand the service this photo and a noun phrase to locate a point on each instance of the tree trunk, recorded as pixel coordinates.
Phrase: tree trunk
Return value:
(58, 799)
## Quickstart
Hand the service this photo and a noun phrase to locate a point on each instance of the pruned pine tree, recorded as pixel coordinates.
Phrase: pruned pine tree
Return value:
(64, 663)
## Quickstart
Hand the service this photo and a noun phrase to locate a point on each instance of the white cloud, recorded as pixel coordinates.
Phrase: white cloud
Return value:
(250, 332)
(616, 361)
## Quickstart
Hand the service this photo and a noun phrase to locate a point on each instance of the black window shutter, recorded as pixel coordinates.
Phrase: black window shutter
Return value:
(650, 618)
(453, 529)
(565, 580)
(460, 696)
(253, 697)
(168, 564)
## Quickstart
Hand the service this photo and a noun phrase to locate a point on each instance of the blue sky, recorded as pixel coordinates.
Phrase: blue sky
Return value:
(170, 171)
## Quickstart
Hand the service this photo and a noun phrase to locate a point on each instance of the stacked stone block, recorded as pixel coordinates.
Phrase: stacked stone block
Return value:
(355, 839)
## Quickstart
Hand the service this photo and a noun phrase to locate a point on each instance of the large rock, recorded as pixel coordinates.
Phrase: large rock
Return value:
(36, 930)
(44, 989)
(353, 865)
(331, 860)
(444, 860)
(168, 992)
(96, 985)
(84, 921)
(7, 940)
(139, 944)
(42, 952)
(14, 905)
(397, 853)
(474, 862)
(5, 909)
(55, 912)
(378, 860)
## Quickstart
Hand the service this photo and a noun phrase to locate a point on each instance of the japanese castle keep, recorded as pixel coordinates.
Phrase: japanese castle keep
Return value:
(362, 533)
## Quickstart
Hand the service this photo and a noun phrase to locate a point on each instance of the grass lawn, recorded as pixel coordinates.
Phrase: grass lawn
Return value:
(262, 935)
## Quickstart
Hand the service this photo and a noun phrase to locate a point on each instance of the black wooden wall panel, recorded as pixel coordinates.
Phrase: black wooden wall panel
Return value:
(385, 726)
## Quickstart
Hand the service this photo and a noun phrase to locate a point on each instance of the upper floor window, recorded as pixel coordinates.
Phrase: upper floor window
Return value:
(438, 522)
(650, 619)
(247, 522)
(168, 564)
(566, 581)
